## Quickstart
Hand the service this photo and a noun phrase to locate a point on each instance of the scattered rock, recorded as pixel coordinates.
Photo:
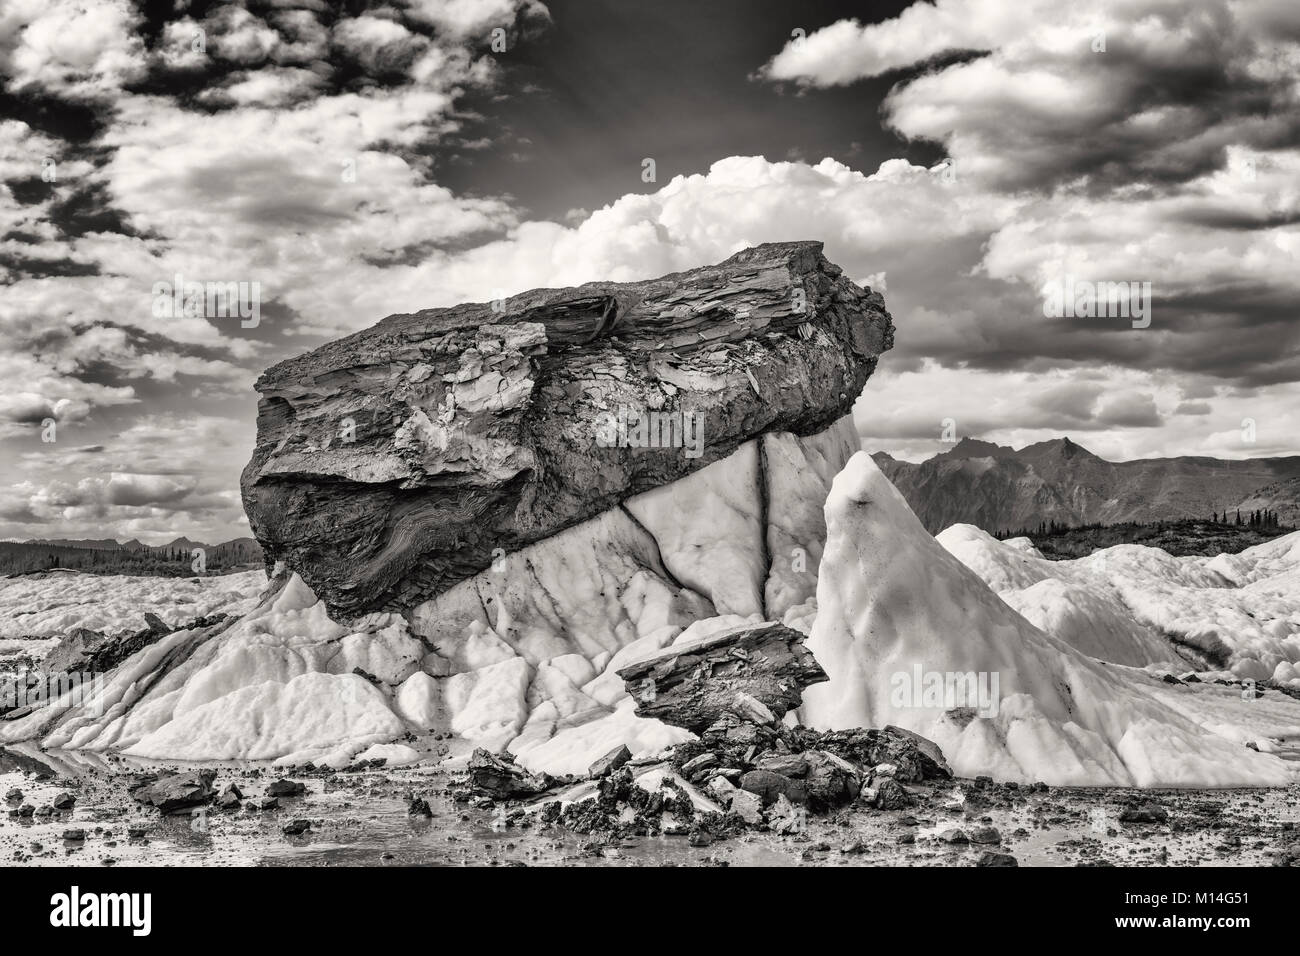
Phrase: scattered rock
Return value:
(748, 806)
(74, 651)
(419, 807)
(700, 838)
(1146, 813)
(610, 762)
(74, 836)
(892, 795)
(498, 777)
(994, 858)
(765, 784)
(286, 788)
(64, 801)
(787, 765)
(984, 834)
(297, 827)
(176, 792)
(913, 757)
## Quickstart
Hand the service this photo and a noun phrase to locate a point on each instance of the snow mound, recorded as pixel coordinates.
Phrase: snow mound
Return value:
(897, 610)
(1131, 604)
(307, 717)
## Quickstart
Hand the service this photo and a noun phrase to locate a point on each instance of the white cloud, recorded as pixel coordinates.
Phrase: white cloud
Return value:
(82, 49)
(1067, 93)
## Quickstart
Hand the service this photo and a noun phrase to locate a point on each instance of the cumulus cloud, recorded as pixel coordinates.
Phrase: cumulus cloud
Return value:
(298, 156)
(81, 49)
(1062, 93)
(154, 479)
(286, 146)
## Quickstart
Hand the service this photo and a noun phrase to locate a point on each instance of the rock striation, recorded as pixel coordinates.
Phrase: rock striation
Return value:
(394, 463)
(759, 671)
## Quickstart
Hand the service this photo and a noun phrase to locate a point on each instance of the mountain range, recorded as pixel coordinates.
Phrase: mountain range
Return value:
(999, 488)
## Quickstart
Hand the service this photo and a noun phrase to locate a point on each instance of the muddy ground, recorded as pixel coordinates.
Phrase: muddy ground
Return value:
(360, 818)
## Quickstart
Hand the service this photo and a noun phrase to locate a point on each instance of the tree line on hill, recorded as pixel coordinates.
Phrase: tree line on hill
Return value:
(1180, 537)
(22, 557)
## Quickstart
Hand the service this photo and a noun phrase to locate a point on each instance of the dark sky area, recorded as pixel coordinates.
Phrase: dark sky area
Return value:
(614, 82)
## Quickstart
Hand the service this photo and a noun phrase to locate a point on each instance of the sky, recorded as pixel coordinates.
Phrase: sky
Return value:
(360, 159)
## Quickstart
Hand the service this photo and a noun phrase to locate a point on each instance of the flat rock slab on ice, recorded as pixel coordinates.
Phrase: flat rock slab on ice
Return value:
(399, 461)
(758, 671)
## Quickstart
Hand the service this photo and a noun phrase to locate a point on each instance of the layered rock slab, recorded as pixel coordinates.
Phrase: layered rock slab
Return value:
(394, 463)
(695, 684)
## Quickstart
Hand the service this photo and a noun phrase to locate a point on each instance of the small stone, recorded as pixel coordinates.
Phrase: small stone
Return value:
(64, 801)
(954, 836)
(765, 784)
(1147, 813)
(297, 827)
(702, 762)
(286, 788)
(419, 807)
(610, 762)
(985, 835)
(994, 858)
(74, 835)
(748, 806)
(722, 790)
(892, 795)
(787, 765)
(751, 708)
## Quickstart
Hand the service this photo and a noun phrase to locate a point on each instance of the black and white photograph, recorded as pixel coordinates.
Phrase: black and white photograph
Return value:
(505, 434)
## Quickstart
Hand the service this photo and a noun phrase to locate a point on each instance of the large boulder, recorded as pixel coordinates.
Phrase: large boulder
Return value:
(398, 461)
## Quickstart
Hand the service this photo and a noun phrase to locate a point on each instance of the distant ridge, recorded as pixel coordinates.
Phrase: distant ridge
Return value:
(999, 488)
(112, 544)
